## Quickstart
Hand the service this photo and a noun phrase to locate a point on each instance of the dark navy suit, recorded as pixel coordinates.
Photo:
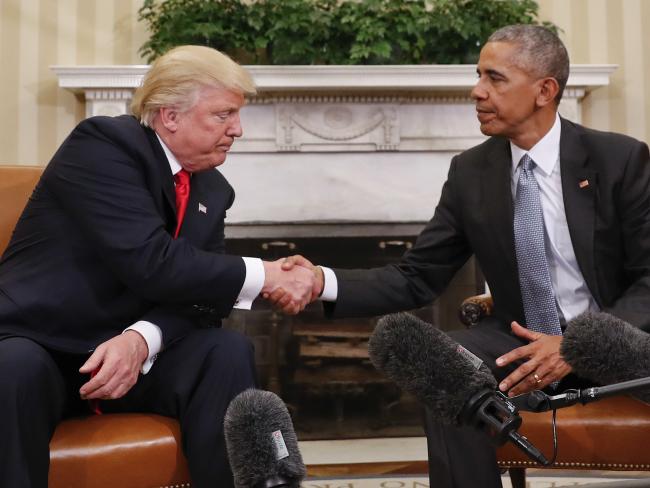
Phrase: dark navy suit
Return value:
(93, 253)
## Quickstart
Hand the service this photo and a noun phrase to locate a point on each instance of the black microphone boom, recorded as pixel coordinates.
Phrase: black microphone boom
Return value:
(605, 349)
(262, 445)
(538, 401)
(454, 384)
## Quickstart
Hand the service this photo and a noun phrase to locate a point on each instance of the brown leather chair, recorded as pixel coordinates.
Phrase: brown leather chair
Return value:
(116, 450)
(611, 434)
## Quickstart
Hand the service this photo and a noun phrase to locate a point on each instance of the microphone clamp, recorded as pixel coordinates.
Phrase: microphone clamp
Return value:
(494, 412)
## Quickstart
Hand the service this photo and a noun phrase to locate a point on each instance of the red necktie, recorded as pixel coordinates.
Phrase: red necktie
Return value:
(182, 179)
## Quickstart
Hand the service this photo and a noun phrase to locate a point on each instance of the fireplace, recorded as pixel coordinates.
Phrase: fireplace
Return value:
(320, 367)
(343, 164)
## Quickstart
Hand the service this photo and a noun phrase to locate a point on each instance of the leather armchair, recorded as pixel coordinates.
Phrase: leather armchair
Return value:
(606, 435)
(124, 450)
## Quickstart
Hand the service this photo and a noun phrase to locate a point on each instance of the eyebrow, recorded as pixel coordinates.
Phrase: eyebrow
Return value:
(491, 72)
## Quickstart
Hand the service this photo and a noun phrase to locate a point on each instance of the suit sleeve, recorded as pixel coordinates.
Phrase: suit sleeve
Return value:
(177, 321)
(101, 183)
(633, 208)
(421, 275)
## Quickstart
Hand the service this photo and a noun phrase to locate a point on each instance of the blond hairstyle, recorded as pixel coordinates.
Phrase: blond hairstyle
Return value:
(175, 79)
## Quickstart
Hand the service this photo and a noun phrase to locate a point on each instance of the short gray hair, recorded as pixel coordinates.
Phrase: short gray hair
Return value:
(541, 52)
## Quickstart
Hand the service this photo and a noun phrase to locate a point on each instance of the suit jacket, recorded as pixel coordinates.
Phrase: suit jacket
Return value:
(93, 250)
(608, 221)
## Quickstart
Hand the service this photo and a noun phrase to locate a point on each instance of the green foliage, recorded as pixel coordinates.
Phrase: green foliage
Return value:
(333, 31)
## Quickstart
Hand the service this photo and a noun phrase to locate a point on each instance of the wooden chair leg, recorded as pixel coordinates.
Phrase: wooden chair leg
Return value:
(517, 477)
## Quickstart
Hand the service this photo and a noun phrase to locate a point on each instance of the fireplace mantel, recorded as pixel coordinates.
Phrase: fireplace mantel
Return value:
(339, 144)
(425, 77)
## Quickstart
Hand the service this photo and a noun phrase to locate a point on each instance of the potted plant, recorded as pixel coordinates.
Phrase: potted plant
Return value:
(333, 31)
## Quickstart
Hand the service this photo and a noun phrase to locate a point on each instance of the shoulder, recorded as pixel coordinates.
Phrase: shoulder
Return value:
(124, 127)
(119, 137)
(489, 155)
(486, 148)
(115, 148)
(600, 142)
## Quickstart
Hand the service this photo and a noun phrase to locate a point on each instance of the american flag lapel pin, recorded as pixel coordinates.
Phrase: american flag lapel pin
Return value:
(583, 183)
(203, 208)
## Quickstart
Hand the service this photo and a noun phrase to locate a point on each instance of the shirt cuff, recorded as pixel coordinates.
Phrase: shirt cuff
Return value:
(153, 337)
(253, 283)
(330, 287)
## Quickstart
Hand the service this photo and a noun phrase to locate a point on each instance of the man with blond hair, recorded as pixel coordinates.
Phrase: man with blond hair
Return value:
(115, 280)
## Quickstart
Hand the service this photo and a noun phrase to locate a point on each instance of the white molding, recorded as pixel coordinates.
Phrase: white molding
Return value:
(362, 144)
(455, 77)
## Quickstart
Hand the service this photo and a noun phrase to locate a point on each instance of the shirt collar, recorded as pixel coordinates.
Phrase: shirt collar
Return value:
(545, 153)
(174, 165)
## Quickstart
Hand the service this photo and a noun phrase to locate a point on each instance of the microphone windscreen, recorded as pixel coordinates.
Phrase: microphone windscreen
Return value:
(605, 349)
(428, 364)
(261, 441)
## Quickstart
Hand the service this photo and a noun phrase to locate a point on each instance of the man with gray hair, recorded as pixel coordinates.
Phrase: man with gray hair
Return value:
(115, 281)
(558, 217)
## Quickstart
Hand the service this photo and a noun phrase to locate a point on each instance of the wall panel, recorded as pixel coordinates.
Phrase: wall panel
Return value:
(34, 34)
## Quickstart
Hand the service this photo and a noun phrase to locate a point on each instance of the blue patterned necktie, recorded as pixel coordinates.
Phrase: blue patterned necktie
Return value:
(534, 276)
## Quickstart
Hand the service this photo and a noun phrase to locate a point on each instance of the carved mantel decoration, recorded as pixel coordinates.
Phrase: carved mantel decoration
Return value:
(323, 144)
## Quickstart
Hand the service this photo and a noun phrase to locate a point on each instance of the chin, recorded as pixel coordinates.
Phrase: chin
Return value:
(217, 163)
(490, 130)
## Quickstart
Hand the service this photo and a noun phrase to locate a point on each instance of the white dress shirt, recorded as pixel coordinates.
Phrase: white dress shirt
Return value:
(251, 288)
(571, 292)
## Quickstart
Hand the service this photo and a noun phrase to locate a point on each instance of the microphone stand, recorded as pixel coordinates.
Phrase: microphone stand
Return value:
(538, 401)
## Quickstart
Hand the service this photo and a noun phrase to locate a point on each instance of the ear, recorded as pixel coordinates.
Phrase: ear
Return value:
(169, 117)
(548, 90)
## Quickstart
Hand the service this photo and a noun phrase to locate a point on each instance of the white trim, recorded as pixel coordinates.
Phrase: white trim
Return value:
(323, 77)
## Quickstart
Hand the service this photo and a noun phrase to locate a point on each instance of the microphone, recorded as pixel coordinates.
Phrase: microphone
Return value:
(452, 382)
(262, 445)
(605, 349)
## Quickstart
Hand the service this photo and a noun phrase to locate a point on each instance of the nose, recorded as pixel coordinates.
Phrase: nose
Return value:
(478, 92)
(235, 129)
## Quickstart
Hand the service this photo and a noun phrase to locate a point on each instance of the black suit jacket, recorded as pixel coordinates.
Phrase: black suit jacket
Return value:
(608, 220)
(93, 250)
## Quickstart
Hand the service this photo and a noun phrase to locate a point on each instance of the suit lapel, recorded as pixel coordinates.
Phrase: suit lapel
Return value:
(579, 187)
(196, 223)
(497, 198)
(166, 177)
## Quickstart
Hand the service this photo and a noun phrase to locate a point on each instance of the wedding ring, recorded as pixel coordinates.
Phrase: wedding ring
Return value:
(537, 378)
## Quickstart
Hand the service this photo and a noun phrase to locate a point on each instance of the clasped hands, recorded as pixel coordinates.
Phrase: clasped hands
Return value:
(292, 283)
(542, 363)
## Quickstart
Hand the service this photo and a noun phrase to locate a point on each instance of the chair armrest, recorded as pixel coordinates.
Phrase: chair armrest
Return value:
(473, 309)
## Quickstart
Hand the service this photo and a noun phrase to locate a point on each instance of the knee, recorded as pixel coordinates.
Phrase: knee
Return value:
(234, 347)
(231, 359)
(26, 368)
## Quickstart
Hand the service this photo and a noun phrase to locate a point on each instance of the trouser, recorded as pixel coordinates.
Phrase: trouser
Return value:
(465, 457)
(194, 381)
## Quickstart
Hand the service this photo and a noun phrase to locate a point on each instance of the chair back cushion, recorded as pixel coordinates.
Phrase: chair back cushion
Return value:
(16, 185)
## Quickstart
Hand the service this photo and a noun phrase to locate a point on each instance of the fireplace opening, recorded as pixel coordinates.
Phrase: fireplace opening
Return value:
(320, 367)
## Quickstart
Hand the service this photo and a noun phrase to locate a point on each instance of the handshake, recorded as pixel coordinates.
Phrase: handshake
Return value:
(290, 284)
